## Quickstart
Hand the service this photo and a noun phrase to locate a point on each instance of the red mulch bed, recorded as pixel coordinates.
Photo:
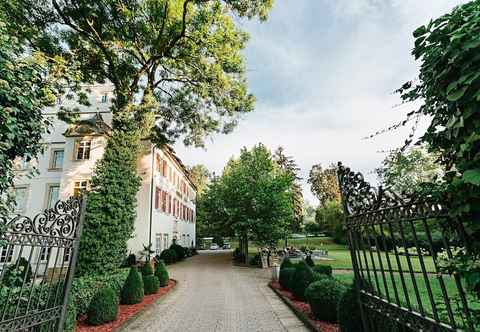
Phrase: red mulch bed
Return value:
(125, 312)
(305, 309)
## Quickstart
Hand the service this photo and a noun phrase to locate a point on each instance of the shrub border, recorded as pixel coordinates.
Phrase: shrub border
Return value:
(304, 318)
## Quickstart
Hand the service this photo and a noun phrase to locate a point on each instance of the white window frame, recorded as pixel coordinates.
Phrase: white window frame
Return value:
(83, 144)
(6, 254)
(44, 254)
(80, 187)
(165, 240)
(52, 165)
(158, 244)
(49, 193)
(24, 208)
(104, 98)
(67, 252)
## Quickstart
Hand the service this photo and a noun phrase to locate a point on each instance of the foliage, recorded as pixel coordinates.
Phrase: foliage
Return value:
(251, 199)
(309, 261)
(130, 260)
(348, 309)
(200, 176)
(286, 277)
(286, 262)
(169, 256)
(238, 256)
(302, 277)
(17, 273)
(132, 291)
(288, 165)
(147, 269)
(103, 308)
(312, 228)
(161, 273)
(218, 240)
(151, 284)
(404, 172)
(179, 251)
(323, 296)
(447, 90)
(331, 219)
(324, 183)
(84, 288)
(71, 316)
(111, 207)
(255, 260)
(323, 269)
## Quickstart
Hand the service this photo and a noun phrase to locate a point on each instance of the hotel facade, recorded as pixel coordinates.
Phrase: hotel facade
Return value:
(165, 201)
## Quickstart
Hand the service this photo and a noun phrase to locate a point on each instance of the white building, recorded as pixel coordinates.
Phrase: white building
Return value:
(165, 202)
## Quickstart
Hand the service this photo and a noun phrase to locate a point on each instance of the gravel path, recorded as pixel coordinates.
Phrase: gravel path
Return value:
(213, 295)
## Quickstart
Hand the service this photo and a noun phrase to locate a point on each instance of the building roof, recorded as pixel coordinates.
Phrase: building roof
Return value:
(93, 126)
(168, 149)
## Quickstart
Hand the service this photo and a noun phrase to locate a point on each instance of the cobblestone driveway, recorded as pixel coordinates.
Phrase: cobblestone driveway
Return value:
(213, 295)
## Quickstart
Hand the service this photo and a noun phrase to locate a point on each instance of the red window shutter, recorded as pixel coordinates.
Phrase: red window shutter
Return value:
(156, 198)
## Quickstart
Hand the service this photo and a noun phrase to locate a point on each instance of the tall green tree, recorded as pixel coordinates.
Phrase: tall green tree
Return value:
(324, 183)
(405, 171)
(200, 176)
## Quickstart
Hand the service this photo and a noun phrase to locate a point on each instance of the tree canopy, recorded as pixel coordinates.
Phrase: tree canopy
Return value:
(200, 176)
(324, 183)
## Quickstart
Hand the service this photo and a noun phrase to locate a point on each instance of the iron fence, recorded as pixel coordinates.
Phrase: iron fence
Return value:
(37, 262)
(398, 246)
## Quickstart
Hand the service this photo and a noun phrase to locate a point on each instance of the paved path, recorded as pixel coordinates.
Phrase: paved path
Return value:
(213, 295)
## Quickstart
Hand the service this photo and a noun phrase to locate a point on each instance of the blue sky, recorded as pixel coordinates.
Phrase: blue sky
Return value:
(323, 73)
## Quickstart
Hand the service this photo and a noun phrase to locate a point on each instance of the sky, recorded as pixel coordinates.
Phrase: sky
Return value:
(324, 74)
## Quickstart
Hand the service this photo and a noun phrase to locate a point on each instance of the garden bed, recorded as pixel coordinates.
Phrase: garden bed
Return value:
(125, 312)
(302, 310)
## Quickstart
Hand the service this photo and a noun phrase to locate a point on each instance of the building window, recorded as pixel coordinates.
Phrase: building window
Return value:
(6, 254)
(158, 244)
(59, 100)
(52, 195)
(157, 198)
(80, 186)
(165, 168)
(66, 254)
(165, 241)
(22, 164)
(104, 98)
(56, 161)
(83, 150)
(21, 198)
(45, 253)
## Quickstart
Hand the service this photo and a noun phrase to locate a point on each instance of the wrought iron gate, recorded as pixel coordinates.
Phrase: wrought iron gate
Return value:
(37, 262)
(397, 247)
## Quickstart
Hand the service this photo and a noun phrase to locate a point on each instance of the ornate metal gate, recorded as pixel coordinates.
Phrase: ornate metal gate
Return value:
(37, 262)
(397, 247)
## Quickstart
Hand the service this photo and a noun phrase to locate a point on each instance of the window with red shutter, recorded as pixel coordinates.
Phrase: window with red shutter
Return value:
(157, 199)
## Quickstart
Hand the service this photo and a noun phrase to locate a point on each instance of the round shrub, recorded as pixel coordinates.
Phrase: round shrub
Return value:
(323, 297)
(349, 312)
(286, 276)
(147, 269)
(161, 273)
(132, 291)
(151, 284)
(302, 277)
(103, 308)
(309, 261)
(286, 263)
(323, 269)
(179, 250)
(169, 256)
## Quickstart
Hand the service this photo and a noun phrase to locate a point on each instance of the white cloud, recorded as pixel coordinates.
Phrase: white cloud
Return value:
(323, 72)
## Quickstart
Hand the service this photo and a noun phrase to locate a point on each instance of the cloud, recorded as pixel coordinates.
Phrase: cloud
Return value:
(324, 72)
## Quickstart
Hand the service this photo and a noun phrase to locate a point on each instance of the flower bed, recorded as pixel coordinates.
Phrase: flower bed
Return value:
(125, 312)
(302, 310)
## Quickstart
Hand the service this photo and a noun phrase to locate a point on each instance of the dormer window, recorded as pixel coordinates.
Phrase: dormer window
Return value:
(104, 98)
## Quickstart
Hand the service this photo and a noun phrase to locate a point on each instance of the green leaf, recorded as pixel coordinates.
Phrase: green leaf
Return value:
(456, 95)
(420, 31)
(472, 176)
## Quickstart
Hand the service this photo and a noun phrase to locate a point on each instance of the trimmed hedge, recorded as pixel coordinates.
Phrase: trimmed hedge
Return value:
(302, 277)
(324, 296)
(323, 269)
(286, 263)
(147, 269)
(103, 308)
(132, 291)
(349, 317)
(169, 256)
(179, 250)
(286, 275)
(161, 273)
(151, 284)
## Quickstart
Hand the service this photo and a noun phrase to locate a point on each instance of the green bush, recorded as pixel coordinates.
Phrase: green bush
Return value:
(349, 317)
(179, 250)
(132, 291)
(324, 296)
(169, 256)
(71, 317)
(255, 260)
(147, 269)
(302, 277)
(161, 273)
(286, 275)
(103, 308)
(15, 275)
(323, 269)
(286, 263)
(84, 288)
(131, 260)
(151, 284)
(309, 261)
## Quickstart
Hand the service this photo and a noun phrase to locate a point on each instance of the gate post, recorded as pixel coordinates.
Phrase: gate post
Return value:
(72, 265)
